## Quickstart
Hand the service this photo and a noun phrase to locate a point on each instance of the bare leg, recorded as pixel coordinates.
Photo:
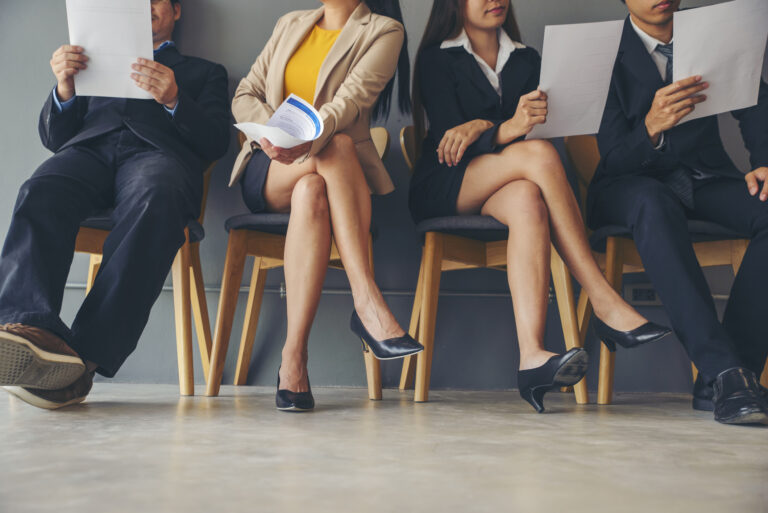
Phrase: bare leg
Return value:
(350, 215)
(539, 162)
(520, 206)
(307, 251)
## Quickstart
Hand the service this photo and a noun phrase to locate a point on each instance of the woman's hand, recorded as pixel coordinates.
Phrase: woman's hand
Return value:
(285, 156)
(456, 141)
(531, 111)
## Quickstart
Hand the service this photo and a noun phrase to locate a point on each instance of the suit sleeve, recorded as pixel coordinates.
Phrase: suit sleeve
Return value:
(250, 101)
(203, 122)
(56, 128)
(441, 103)
(753, 123)
(362, 85)
(625, 147)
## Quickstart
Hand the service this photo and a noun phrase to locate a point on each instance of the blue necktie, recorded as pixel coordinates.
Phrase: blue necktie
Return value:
(679, 180)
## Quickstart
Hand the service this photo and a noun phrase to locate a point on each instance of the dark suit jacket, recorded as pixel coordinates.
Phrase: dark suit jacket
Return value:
(625, 147)
(455, 91)
(197, 134)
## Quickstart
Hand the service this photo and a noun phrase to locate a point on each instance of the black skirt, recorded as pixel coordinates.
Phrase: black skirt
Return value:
(253, 180)
(435, 188)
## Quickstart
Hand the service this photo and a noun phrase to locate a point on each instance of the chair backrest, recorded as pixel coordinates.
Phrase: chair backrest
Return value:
(408, 145)
(584, 155)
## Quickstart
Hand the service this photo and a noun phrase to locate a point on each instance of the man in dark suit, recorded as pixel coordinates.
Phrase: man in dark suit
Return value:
(142, 158)
(655, 175)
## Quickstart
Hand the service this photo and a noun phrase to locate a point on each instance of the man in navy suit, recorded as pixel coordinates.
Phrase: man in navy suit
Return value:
(655, 174)
(141, 159)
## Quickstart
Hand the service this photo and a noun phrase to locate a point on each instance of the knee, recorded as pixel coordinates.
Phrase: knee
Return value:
(310, 195)
(656, 205)
(539, 156)
(161, 201)
(522, 199)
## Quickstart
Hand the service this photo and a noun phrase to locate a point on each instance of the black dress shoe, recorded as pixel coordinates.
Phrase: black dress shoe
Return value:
(702, 395)
(389, 349)
(648, 332)
(739, 398)
(562, 370)
(285, 400)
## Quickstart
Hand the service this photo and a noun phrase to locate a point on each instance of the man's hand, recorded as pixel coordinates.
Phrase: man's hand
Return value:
(758, 175)
(671, 104)
(456, 141)
(285, 156)
(66, 62)
(158, 80)
(532, 110)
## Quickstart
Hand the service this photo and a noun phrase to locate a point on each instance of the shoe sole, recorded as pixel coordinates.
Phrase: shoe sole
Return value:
(38, 401)
(26, 365)
(294, 409)
(572, 371)
(754, 417)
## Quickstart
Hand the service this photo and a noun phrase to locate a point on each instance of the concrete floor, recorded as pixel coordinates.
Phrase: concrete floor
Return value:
(141, 448)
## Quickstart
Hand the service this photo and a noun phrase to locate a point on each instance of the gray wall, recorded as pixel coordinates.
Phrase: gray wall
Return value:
(476, 332)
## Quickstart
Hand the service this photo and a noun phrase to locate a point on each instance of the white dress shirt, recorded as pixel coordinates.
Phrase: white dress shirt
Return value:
(650, 44)
(506, 47)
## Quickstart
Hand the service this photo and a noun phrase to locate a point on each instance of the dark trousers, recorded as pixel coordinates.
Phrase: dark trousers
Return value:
(154, 196)
(659, 225)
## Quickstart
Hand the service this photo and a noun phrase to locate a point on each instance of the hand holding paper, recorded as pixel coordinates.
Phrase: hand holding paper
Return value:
(294, 123)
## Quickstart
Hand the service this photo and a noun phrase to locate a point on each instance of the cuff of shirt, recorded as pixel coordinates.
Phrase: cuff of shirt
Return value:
(662, 142)
(172, 111)
(62, 106)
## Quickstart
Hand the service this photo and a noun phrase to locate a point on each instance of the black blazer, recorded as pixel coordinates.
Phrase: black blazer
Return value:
(197, 134)
(625, 147)
(454, 90)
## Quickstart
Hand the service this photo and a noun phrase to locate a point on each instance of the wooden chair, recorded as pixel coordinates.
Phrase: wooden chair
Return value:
(263, 237)
(467, 242)
(617, 254)
(188, 286)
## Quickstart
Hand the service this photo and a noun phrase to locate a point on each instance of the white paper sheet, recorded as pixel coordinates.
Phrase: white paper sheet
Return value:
(725, 44)
(293, 123)
(114, 34)
(576, 75)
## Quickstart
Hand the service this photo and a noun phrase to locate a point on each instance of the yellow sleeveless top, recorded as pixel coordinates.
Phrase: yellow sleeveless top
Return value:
(304, 66)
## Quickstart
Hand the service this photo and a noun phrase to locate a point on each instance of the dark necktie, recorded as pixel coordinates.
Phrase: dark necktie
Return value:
(679, 180)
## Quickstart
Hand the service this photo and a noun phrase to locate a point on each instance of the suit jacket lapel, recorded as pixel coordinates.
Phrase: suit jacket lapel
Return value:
(636, 59)
(290, 42)
(347, 38)
(514, 76)
(169, 56)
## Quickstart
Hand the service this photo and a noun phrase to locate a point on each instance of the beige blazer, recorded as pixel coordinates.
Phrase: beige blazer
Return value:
(358, 67)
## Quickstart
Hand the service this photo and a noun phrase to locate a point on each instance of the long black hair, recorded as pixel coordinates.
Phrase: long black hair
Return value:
(446, 21)
(392, 9)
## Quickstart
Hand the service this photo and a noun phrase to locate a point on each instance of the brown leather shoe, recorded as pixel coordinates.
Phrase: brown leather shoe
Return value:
(36, 358)
(55, 399)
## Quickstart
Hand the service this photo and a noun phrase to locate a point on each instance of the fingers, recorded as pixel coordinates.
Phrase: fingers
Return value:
(535, 95)
(151, 89)
(681, 84)
(752, 184)
(68, 49)
(152, 64)
(688, 91)
(538, 120)
(148, 70)
(453, 153)
(764, 192)
(537, 104)
(688, 102)
(143, 79)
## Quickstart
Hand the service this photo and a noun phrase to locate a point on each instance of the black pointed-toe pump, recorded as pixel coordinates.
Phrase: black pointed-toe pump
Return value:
(561, 370)
(389, 349)
(648, 332)
(285, 400)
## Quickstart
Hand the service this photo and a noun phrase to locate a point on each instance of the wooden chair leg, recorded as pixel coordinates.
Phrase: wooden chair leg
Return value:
(230, 287)
(372, 365)
(252, 312)
(613, 273)
(408, 373)
(566, 304)
(183, 317)
(583, 315)
(200, 308)
(93, 270)
(433, 257)
(764, 379)
(694, 371)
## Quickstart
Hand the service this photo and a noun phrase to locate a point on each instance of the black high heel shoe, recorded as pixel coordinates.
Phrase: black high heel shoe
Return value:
(389, 349)
(648, 332)
(285, 400)
(561, 370)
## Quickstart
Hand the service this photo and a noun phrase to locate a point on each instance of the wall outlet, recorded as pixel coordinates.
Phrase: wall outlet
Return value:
(641, 294)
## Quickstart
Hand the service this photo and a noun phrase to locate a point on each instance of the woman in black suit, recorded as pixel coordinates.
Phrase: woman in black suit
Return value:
(477, 85)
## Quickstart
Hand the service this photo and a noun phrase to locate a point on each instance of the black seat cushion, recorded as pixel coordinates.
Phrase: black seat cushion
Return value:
(103, 221)
(701, 231)
(482, 228)
(266, 222)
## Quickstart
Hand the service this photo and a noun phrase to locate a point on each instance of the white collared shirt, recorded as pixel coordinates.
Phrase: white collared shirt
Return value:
(506, 47)
(650, 44)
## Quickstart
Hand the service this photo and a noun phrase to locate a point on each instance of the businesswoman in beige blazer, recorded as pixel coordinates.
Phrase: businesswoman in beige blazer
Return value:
(342, 58)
